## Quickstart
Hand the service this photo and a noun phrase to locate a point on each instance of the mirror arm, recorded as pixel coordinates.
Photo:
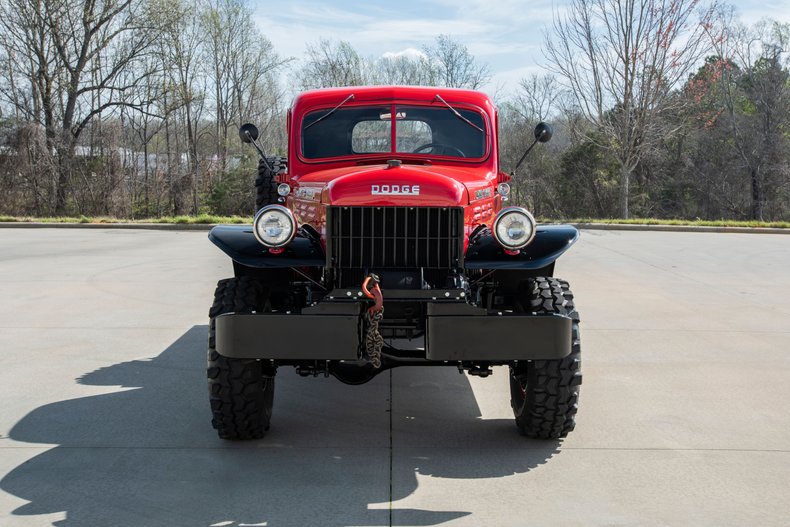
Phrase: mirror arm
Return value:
(513, 172)
(259, 149)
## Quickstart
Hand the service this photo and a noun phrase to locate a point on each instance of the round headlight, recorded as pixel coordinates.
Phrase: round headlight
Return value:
(274, 226)
(514, 228)
(283, 189)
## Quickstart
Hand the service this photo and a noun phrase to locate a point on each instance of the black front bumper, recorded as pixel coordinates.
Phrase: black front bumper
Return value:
(498, 338)
(454, 332)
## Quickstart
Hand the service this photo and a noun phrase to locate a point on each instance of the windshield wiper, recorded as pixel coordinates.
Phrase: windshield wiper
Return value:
(330, 112)
(457, 114)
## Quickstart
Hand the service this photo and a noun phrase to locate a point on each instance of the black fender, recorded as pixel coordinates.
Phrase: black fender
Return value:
(550, 242)
(238, 242)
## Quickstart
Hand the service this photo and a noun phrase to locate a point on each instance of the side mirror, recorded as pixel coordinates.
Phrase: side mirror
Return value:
(543, 132)
(249, 133)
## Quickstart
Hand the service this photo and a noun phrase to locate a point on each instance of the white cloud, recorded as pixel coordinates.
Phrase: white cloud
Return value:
(752, 11)
(410, 53)
(416, 30)
(509, 14)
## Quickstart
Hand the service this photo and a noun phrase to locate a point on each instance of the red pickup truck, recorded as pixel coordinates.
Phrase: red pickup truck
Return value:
(386, 239)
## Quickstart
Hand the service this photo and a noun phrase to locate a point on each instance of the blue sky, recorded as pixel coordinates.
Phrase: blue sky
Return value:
(506, 34)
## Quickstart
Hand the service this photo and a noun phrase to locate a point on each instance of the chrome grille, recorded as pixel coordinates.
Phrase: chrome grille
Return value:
(394, 237)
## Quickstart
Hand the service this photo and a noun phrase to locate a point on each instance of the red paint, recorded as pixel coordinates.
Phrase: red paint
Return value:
(276, 250)
(442, 180)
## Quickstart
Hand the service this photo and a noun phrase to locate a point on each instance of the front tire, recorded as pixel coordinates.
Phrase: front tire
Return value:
(241, 391)
(544, 394)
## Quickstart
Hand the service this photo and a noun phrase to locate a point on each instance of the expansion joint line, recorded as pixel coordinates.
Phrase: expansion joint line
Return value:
(390, 404)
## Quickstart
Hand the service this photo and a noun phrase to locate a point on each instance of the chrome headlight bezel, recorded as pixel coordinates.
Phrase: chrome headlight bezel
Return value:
(280, 210)
(283, 189)
(505, 213)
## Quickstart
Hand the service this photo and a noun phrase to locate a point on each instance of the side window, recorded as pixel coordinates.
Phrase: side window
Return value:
(371, 137)
(412, 135)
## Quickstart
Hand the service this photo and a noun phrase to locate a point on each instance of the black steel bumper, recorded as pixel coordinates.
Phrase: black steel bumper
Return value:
(498, 337)
(323, 332)
(454, 332)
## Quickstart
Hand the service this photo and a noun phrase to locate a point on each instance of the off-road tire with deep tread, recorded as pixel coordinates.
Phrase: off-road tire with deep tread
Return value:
(266, 181)
(545, 393)
(241, 391)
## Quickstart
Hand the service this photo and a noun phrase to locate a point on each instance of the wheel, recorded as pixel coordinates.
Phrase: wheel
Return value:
(544, 394)
(437, 147)
(266, 181)
(241, 391)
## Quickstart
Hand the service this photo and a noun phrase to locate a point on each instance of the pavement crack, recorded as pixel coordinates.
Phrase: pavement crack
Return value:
(690, 330)
(390, 405)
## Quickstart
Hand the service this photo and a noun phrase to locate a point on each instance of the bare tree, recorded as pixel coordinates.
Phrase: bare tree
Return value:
(456, 66)
(620, 60)
(180, 53)
(241, 63)
(537, 97)
(751, 65)
(143, 123)
(331, 63)
(404, 70)
(73, 53)
(536, 100)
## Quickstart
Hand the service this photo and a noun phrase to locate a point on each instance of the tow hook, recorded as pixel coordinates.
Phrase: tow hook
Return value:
(373, 339)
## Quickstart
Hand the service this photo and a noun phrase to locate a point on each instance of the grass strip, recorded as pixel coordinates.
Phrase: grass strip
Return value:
(213, 219)
(691, 223)
(200, 219)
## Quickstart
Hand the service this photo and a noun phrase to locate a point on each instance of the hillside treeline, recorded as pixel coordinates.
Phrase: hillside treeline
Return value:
(130, 108)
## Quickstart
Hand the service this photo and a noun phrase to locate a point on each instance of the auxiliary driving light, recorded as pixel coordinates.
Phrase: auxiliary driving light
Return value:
(514, 228)
(274, 226)
(504, 190)
(283, 189)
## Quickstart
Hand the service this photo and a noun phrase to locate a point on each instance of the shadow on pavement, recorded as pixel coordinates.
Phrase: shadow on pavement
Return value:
(147, 455)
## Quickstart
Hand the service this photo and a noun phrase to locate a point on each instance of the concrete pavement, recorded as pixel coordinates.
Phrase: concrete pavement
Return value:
(683, 416)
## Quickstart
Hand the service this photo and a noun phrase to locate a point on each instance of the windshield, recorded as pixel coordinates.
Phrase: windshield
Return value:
(432, 131)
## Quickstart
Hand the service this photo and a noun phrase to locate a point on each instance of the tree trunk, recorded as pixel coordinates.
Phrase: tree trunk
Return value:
(147, 205)
(60, 188)
(64, 148)
(625, 180)
(169, 174)
(757, 195)
(193, 156)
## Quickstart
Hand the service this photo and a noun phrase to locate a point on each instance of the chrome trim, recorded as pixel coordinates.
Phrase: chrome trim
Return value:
(501, 215)
(283, 189)
(258, 216)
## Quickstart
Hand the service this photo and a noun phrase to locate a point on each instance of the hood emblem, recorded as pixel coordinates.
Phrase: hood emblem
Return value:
(484, 193)
(307, 192)
(395, 190)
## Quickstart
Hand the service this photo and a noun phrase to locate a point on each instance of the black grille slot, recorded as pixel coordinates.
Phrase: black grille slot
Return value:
(394, 237)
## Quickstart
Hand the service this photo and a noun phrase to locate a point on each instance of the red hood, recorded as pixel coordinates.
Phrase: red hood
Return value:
(441, 186)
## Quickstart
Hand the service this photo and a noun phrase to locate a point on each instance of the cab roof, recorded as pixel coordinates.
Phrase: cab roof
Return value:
(330, 96)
